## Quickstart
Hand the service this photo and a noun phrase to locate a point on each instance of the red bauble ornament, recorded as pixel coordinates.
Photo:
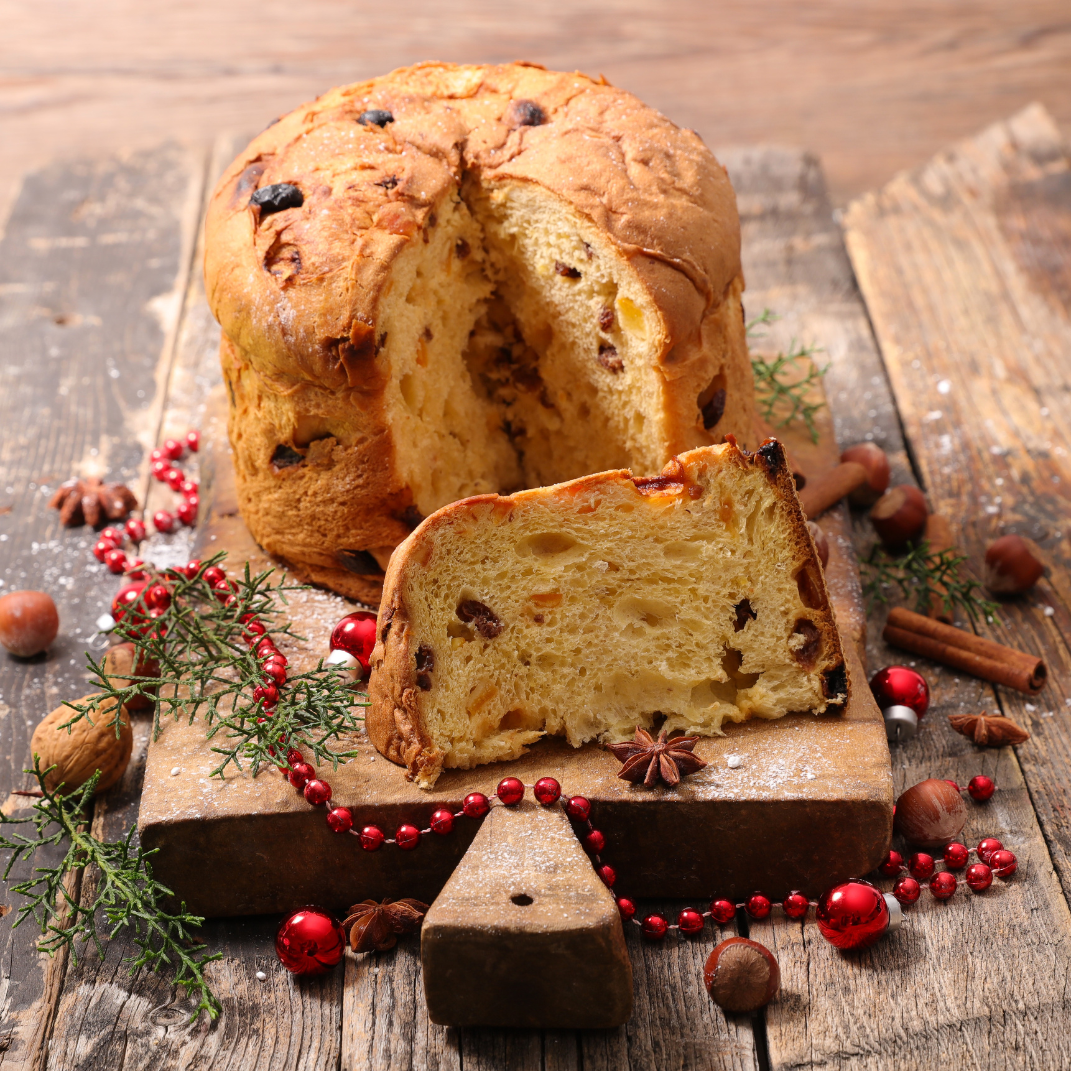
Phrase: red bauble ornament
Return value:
(626, 906)
(371, 837)
(921, 866)
(475, 805)
(979, 876)
(654, 926)
(163, 521)
(135, 529)
(980, 788)
(607, 875)
(442, 822)
(759, 906)
(172, 449)
(852, 914)
(547, 790)
(907, 891)
(310, 941)
(355, 634)
(1003, 863)
(300, 775)
(722, 910)
(578, 808)
(955, 856)
(903, 696)
(796, 905)
(407, 836)
(690, 922)
(192, 440)
(127, 607)
(340, 819)
(115, 560)
(985, 848)
(510, 791)
(317, 792)
(943, 884)
(893, 864)
(594, 842)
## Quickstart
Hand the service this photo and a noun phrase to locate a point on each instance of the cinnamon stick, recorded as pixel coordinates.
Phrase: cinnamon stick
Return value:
(836, 484)
(939, 537)
(965, 652)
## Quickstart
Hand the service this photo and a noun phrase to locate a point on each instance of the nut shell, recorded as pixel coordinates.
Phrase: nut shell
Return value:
(86, 748)
(899, 515)
(1013, 564)
(931, 813)
(741, 975)
(28, 622)
(874, 460)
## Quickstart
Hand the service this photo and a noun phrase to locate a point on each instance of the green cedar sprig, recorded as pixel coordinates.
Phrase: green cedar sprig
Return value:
(916, 573)
(124, 893)
(785, 401)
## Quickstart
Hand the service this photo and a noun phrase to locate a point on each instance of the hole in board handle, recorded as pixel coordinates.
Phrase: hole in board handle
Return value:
(521, 900)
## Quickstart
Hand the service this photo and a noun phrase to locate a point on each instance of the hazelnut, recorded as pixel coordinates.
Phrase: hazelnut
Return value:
(119, 661)
(899, 515)
(873, 459)
(741, 975)
(821, 542)
(87, 747)
(931, 813)
(28, 622)
(1013, 564)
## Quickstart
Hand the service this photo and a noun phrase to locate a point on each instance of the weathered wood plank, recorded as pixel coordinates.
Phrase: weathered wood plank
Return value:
(965, 268)
(90, 251)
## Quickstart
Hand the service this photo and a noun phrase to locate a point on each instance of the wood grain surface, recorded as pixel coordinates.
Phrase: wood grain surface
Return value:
(872, 88)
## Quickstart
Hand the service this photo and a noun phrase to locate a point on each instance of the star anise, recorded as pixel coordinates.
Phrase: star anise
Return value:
(374, 927)
(92, 502)
(985, 730)
(646, 758)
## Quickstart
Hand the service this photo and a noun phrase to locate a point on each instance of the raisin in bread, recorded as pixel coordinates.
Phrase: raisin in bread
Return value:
(590, 607)
(456, 280)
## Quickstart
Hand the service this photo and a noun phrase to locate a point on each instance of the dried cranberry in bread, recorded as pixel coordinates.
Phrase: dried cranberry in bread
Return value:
(590, 607)
(459, 279)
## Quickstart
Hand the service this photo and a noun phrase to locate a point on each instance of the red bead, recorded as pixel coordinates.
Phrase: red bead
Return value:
(355, 634)
(265, 697)
(191, 570)
(442, 822)
(125, 603)
(407, 836)
(955, 856)
(157, 454)
(594, 842)
(157, 597)
(979, 876)
(943, 884)
(265, 648)
(578, 808)
(340, 819)
(796, 905)
(300, 775)
(187, 510)
(654, 926)
(102, 548)
(893, 864)
(852, 914)
(294, 758)
(136, 529)
(722, 910)
(192, 440)
(115, 560)
(510, 791)
(907, 890)
(189, 488)
(759, 905)
(172, 449)
(174, 477)
(253, 630)
(985, 848)
(110, 532)
(137, 569)
(627, 907)
(274, 672)
(921, 866)
(690, 921)
(475, 805)
(160, 467)
(317, 792)
(310, 941)
(546, 790)
(213, 576)
(1003, 863)
(371, 837)
(898, 685)
(980, 788)
(953, 784)
(607, 875)
(163, 521)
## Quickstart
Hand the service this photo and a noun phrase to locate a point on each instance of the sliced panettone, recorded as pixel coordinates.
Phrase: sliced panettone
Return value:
(689, 599)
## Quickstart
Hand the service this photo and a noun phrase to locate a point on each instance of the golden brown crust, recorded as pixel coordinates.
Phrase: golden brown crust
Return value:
(297, 292)
(395, 723)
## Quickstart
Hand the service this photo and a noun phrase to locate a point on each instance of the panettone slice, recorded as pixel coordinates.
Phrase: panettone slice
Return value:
(684, 600)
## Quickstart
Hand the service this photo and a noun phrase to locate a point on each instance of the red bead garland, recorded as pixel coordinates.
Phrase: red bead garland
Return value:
(796, 905)
(759, 906)
(722, 910)
(475, 805)
(955, 856)
(921, 866)
(627, 907)
(981, 788)
(979, 876)
(907, 891)
(654, 926)
(690, 922)
(943, 884)
(985, 848)
(442, 822)
(893, 864)
(407, 837)
(547, 791)
(510, 791)
(1003, 863)
(371, 837)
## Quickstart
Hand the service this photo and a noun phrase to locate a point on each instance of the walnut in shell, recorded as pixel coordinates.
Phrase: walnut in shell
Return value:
(86, 748)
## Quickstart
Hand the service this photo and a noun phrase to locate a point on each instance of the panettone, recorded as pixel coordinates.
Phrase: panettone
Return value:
(455, 280)
(683, 600)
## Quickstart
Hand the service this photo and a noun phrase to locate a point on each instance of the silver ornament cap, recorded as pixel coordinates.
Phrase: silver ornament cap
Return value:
(896, 913)
(901, 723)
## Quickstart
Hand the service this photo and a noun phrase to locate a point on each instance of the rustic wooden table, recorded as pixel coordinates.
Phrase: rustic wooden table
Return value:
(941, 303)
